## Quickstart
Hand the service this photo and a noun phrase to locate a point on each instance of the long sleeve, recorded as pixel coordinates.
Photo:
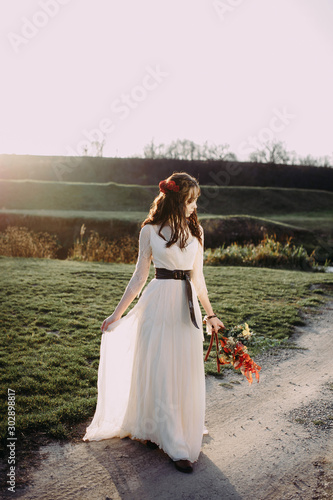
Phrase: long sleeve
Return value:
(140, 274)
(197, 274)
(199, 283)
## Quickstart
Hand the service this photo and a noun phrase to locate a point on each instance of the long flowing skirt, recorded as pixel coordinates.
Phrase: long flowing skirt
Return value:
(151, 382)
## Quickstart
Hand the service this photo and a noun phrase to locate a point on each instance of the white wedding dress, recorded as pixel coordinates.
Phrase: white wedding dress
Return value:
(151, 382)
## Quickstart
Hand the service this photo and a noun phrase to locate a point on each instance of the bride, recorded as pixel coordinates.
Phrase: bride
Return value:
(151, 382)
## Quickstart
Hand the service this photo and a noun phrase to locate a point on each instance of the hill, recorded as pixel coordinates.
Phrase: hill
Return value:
(151, 171)
(46, 195)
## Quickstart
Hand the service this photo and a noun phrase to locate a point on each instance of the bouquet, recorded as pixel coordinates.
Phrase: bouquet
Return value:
(232, 349)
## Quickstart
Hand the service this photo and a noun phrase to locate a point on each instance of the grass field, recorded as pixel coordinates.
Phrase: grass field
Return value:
(98, 215)
(34, 195)
(315, 221)
(74, 195)
(51, 313)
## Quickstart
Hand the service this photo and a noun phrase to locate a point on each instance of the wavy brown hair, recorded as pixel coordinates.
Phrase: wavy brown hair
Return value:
(169, 208)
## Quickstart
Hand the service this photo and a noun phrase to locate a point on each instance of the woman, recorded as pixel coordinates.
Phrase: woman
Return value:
(151, 382)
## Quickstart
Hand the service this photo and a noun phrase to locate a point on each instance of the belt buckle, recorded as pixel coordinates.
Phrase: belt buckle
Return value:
(178, 275)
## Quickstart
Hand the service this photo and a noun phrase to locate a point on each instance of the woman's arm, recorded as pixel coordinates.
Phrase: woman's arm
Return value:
(137, 280)
(199, 283)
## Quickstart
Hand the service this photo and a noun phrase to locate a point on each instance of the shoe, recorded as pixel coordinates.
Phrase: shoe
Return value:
(184, 466)
(151, 445)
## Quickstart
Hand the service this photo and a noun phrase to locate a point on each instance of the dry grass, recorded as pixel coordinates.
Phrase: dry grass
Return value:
(267, 253)
(20, 242)
(98, 249)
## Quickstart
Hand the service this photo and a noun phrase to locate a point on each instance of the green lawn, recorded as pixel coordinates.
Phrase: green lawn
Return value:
(51, 313)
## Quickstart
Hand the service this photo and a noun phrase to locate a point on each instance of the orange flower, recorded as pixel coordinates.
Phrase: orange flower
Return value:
(239, 359)
(234, 353)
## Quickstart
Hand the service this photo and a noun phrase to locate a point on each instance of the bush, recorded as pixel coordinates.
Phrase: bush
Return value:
(20, 242)
(122, 250)
(267, 253)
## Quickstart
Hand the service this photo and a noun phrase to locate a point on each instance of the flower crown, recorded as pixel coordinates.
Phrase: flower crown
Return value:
(168, 186)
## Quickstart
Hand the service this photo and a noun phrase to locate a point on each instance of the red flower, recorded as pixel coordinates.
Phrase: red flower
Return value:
(241, 360)
(168, 186)
(237, 356)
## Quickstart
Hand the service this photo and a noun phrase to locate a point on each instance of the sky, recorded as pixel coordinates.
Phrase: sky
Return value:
(237, 72)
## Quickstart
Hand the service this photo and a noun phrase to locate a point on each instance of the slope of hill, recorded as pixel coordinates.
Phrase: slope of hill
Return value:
(36, 195)
(148, 171)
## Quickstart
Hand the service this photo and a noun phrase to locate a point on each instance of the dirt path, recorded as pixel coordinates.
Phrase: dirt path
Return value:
(262, 444)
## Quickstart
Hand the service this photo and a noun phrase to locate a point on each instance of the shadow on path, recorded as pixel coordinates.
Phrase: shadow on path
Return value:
(117, 469)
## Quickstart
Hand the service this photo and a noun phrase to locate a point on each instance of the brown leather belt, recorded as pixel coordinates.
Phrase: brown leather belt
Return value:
(179, 274)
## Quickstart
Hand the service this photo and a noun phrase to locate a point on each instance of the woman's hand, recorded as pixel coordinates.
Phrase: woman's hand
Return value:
(215, 324)
(111, 319)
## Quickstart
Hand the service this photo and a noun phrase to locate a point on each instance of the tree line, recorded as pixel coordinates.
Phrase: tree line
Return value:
(270, 152)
